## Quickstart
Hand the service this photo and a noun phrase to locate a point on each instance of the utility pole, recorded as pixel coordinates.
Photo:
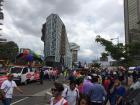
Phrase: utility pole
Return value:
(117, 40)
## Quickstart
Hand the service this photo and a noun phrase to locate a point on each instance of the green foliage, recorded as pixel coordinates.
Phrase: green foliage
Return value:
(96, 65)
(104, 56)
(8, 51)
(120, 51)
(116, 51)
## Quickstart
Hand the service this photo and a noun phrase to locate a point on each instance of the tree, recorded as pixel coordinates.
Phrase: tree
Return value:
(115, 51)
(119, 51)
(97, 65)
(104, 56)
(8, 51)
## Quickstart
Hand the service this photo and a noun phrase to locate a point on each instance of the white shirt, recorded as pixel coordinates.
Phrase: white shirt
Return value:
(60, 102)
(71, 95)
(135, 85)
(8, 87)
(45, 72)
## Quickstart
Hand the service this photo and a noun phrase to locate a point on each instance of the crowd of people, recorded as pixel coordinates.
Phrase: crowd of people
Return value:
(51, 73)
(86, 87)
(103, 87)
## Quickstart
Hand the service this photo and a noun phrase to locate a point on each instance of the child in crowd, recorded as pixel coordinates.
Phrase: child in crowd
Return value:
(83, 100)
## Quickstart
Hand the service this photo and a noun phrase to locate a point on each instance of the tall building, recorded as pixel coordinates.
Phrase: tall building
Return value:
(56, 44)
(74, 49)
(132, 24)
(132, 20)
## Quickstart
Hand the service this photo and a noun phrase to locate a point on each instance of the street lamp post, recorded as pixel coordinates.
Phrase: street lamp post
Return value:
(115, 38)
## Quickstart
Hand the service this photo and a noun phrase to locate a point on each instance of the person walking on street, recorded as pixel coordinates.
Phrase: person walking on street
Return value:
(57, 98)
(71, 94)
(117, 93)
(106, 84)
(97, 93)
(87, 85)
(41, 76)
(65, 73)
(7, 88)
(84, 100)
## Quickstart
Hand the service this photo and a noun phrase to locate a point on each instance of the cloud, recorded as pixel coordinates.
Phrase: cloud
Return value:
(83, 20)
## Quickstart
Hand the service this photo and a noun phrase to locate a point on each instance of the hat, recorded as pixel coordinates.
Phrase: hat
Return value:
(89, 77)
(95, 75)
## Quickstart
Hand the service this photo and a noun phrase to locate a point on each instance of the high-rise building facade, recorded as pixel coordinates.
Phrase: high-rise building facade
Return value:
(132, 20)
(55, 40)
(132, 24)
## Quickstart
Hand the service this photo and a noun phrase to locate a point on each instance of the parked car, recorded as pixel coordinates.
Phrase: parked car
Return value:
(22, 74)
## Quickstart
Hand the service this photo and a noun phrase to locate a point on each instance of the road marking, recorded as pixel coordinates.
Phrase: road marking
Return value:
(49, 93)
(42, 93)
(20, 100)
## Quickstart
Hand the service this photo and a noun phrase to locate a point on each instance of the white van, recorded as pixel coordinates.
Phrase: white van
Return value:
(22, 74)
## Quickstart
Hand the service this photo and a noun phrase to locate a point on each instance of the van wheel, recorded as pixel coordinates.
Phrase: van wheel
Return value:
(19, 82)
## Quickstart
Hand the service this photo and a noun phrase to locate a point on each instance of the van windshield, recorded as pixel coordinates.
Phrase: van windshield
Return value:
(16, 70)
(2, 73)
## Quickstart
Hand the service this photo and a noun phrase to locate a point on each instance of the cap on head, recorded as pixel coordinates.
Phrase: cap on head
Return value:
(89, 78)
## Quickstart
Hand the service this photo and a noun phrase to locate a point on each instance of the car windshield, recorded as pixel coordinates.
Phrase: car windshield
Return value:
(16, 70)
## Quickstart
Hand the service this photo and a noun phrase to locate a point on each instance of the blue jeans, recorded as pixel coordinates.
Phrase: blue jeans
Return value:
(112, 100)
(7, 101)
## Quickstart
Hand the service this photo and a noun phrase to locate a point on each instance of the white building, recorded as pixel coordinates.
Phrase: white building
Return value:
(56, 44)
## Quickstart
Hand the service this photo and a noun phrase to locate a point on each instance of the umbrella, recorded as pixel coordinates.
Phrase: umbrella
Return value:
(137, 68)
(132, 68)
